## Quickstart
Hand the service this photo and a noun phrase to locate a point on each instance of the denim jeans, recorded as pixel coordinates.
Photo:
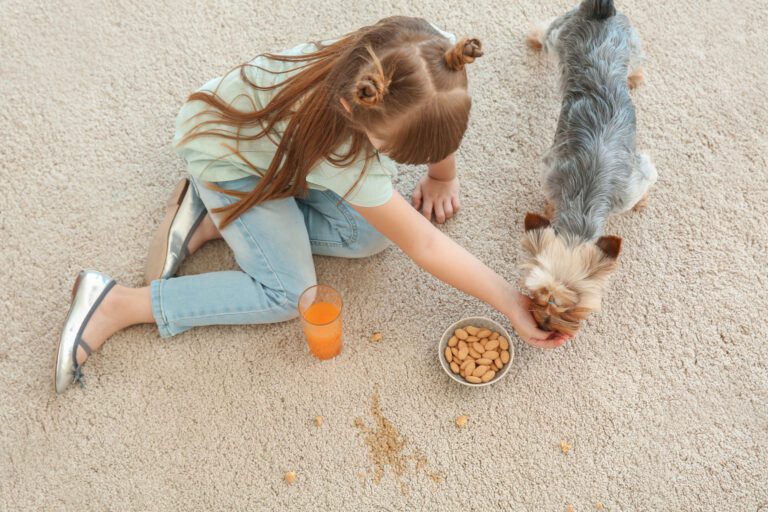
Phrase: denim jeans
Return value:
(273, 244)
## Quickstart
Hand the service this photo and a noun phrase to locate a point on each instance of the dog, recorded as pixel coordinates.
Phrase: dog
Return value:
(592, 170)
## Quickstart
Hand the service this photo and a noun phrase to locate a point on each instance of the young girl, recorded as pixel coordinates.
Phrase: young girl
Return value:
(292, 155)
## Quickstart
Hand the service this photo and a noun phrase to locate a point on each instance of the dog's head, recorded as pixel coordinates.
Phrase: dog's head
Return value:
(565, 281)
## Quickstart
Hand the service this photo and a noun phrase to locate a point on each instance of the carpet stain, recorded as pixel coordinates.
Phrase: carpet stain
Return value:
(387, 449)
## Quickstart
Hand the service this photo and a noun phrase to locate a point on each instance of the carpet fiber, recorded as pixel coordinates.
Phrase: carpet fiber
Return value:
(663, 397)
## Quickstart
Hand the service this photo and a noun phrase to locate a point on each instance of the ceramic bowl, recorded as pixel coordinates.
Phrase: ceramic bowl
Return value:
(480, 322)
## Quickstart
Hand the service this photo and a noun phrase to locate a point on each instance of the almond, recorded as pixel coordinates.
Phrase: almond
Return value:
(461, 334)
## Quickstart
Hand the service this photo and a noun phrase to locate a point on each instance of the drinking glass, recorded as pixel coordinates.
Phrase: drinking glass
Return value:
(320, 309)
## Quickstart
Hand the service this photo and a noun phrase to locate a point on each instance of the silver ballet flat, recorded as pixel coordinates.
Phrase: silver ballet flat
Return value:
(89, 290)
(169, 246)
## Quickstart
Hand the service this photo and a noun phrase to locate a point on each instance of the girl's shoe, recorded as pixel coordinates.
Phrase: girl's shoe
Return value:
(169, 246)
(90, 289)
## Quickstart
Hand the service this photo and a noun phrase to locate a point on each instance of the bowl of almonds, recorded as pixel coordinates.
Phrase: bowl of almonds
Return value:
(475, 351)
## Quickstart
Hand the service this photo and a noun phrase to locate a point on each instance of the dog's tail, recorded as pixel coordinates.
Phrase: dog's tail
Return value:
(598, 9)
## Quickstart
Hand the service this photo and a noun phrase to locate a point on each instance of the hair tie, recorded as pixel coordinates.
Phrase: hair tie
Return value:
(370, 90)
(464, 52)
(372, 87)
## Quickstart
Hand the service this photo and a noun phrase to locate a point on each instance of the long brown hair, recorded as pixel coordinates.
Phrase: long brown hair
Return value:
(401, 79)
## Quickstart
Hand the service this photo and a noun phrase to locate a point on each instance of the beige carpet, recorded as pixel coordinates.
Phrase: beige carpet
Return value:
(663, 397)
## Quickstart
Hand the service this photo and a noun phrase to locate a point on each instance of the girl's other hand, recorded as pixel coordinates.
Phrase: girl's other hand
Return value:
(523, 322)
(438, 196)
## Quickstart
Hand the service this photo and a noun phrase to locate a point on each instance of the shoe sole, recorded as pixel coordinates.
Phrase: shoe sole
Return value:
(158, 249)
(57, 346)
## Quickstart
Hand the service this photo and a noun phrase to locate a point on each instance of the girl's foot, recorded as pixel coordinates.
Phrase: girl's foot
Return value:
(170, 245)
(205, 232)
(99, 309)
(120, 308)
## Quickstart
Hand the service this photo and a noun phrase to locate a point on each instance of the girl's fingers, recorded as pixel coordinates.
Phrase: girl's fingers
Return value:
(416, 200)
(427, 208)
(548, 343)
(456, 203)
(538, 334)
(448, 209)
(439, 212)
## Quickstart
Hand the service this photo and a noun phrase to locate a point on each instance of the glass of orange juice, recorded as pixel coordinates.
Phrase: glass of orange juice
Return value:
(320, 310)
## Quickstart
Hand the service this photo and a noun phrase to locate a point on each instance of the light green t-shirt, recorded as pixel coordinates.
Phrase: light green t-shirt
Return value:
(209, 159)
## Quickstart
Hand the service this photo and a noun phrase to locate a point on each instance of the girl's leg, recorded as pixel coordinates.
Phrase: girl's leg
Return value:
(205, 232)
(122, 307)
(271, 246)
(336, 229)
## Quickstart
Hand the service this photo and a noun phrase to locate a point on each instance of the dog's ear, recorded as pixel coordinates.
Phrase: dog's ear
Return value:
(535, 221)
(610, 245)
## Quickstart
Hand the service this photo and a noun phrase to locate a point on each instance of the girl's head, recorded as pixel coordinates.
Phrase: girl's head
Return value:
(399, 83)
(405, 86)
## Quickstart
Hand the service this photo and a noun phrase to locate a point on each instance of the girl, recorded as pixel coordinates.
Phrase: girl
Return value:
(292, 155)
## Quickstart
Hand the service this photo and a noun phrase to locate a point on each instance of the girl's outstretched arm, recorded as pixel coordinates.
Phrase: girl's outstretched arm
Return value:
(448, 261)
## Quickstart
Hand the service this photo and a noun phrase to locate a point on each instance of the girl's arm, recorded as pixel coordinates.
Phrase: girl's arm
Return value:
(438, 191)
(446, 260)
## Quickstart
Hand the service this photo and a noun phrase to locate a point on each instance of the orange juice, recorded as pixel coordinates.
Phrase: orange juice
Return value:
(322, 327)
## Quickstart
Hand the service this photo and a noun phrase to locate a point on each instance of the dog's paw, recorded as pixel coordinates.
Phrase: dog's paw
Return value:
(549, 210)
(534, 39)
(636, 78)
(642, 204)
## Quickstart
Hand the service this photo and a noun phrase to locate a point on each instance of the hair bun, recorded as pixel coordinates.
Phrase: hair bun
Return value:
(370, 90)
(464, 52)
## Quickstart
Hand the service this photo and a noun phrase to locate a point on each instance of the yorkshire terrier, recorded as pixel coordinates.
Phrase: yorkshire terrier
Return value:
(592, 170)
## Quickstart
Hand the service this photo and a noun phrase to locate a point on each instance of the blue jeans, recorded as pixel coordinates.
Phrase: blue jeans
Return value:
(273, 244)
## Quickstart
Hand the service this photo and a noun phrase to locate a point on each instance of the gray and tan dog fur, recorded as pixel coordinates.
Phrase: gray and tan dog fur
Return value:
(592, 169)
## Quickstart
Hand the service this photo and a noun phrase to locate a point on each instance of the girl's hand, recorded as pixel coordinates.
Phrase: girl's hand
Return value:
(439, 196)
(522, 320)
